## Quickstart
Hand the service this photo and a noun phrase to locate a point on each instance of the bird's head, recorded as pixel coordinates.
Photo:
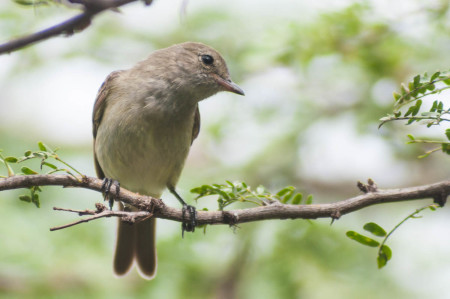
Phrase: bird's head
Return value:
(193, 69)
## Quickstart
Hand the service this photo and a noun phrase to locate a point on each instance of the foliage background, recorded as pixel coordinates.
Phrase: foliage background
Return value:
(317, 78)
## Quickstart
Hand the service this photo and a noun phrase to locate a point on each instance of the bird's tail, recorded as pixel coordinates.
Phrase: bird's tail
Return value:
(136, 241)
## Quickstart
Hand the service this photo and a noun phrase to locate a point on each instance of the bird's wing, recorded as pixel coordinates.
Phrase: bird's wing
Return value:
(99, 108)
(196, 127)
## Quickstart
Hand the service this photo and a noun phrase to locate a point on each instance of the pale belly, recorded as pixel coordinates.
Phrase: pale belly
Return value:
(145, 157)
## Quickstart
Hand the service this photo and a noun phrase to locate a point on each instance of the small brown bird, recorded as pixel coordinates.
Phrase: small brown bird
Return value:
(144, 122)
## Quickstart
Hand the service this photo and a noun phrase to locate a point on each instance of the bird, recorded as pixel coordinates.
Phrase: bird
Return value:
(145, 120)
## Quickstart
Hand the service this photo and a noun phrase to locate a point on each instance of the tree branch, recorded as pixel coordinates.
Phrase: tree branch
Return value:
(437, 191)
(68, 27)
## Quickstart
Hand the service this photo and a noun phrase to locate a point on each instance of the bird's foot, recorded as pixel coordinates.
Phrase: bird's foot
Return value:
(188, 224)
(106, 190)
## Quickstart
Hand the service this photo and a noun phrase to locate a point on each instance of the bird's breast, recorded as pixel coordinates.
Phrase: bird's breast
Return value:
(144, 151)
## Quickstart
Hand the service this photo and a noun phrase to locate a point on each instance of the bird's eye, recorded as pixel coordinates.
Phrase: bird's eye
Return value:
(207, 59)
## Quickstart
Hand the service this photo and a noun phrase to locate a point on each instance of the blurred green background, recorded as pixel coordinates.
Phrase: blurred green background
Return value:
(317, 79)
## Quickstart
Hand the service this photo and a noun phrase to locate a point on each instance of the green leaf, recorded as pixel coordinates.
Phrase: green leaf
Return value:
(412, 88)
(49, 165)
(381, 261)
(384, 255)
(27, 153)
(362, 239)
(410, 111)
(25, 198)
(387, 251)
(431, 87)
(309, 199)
(11, 159)
(416, 107)
(446, 148)
(196, 190)
(375, 229)
(434, 76)
(42, 147)
(285, 190)
(35, 200)
(423, 156)
(297, 199)
(287, 197)
(410, 121)
(27, 170)
(434, 106)
(223, 194)
(411, 137)
(416, 81)
(230, 184)
(397, 96)
(447, 133)
(418, 103)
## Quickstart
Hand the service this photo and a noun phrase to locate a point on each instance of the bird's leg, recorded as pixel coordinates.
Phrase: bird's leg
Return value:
(186, 225)
(106, 188)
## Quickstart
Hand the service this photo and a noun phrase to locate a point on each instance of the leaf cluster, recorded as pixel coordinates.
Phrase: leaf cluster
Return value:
(408, 106)
(237, 191)
(44, 154)
(384, 251)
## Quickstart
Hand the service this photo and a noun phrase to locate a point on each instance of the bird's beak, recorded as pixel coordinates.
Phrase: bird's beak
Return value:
(229, 85)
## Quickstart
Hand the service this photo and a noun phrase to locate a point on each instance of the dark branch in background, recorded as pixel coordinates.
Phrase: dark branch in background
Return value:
(153, 207)
(69, 27)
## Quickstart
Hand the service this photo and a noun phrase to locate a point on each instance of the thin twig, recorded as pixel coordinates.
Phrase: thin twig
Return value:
(78, 222)
(79, 212)
(126, 216)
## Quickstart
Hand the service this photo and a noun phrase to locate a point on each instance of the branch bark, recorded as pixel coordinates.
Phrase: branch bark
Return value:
(156, 208)
(68, 27)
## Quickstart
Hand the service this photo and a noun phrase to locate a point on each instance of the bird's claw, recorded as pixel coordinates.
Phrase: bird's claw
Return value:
(188, 224)
(106, 188)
